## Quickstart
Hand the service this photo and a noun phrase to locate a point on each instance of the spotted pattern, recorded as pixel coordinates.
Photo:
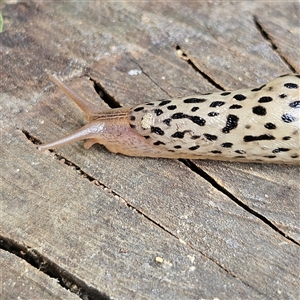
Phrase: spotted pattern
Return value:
(270, 126)
(259, 110)
(260, 124)
(235, 106)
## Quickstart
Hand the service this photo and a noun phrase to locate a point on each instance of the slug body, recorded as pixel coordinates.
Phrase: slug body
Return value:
(247, 125)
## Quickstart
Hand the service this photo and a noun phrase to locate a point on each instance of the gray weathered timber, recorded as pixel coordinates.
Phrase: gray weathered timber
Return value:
(139, 228)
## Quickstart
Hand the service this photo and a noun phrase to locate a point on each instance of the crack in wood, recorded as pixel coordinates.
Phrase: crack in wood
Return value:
(185, 58)
(240, 203)
(268, 38)
(79, 171)
(132, 207)
(104, 95)
(67, 162)
(67, 280)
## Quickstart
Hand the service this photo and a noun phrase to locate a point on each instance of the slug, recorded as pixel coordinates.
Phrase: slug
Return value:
(247, 125)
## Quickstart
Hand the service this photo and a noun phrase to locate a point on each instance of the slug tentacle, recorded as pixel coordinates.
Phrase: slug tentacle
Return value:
(248, 125)
(86, 132)
(87, 107)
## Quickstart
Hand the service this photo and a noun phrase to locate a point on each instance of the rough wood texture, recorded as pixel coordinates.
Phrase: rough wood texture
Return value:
(110, 226)
(22, 281)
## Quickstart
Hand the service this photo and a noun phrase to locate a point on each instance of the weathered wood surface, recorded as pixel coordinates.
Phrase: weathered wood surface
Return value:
(138, 228)
(22, 281)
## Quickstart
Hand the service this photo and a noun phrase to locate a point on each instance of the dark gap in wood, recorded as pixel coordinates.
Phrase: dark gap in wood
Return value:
(212, 181)
(31, 138)
(184, 57)
(147, 75)
(65, 279)
(105, 188)
(267, 37)
(104, 95)
(35, 141)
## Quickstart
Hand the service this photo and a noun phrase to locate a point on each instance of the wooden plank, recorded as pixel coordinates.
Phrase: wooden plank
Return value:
(101, 238)
(275, 195)
(221, 43)
(145, 228)
(22, 281)
(280, 24)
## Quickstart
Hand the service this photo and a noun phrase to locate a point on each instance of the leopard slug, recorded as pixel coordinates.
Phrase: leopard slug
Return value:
(247, 125)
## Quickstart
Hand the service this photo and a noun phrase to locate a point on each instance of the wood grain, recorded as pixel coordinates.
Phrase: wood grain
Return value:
(138, 228)
(22, 281)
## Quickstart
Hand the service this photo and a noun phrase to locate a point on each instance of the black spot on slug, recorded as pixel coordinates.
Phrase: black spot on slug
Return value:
(295, 104)
(270, 126)
(239, 97)
(167, 121)
(291, 85)
(171, 150)
(287, 118)
(217, 104)
(194, 147)
(194, 100)
(171, 107)
(197, 120)
(210, 137)
(235, 106)
(294, 156)
(179, 134)
(158, 111)
(157, 130)
(216, 152)
(132, 125)
(259, 110)
(226, 145)
(258, 89)
(270, 156)
(195, 108)
(177, 147)
(248, 126)
(240, 156)
(150, 103)
(225, 93)
(277, 150)
(231, 123)
(265, 99)
(164, 102)
(286, 138)
(213, 114)
(240, 151)
(194, 137)
(158, 143)
(139, 108)
(147, 137)
(252, 138)
(132, 118)
(282, 96)
(179, 116)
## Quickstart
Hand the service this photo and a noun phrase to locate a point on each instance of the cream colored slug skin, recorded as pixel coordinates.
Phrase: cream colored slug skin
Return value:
(248, 125)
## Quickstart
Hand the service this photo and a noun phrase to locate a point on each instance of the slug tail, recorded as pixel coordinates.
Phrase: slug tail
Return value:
(88, 107)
